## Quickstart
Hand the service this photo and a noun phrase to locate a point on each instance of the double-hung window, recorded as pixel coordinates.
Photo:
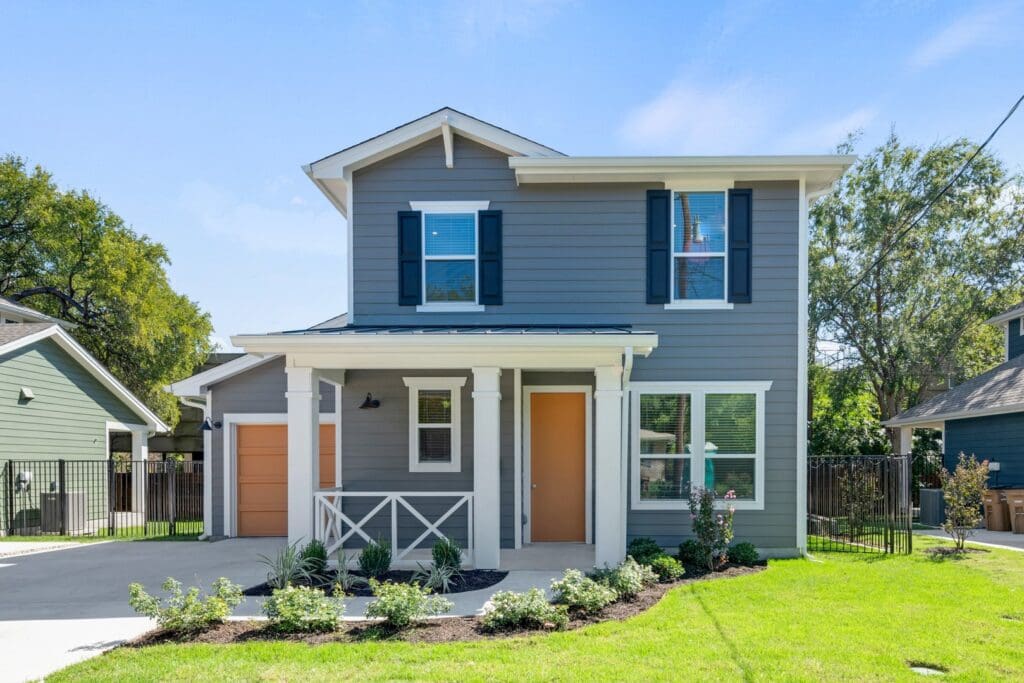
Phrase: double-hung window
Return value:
(435, 412)
(450, 254)
(699, 249)
(687, 434)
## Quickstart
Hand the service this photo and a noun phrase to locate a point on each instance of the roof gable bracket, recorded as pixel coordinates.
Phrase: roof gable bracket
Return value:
(449, 151)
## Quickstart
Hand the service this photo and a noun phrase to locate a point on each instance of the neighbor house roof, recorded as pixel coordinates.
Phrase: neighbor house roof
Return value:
(20, 313)
(1015, 312)
(1000, 390)
(17, 336)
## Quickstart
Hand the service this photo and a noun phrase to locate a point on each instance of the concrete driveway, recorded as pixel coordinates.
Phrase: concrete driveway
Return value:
(60, 607)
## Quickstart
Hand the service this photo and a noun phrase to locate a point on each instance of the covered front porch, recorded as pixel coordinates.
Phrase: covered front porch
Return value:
(500, 438)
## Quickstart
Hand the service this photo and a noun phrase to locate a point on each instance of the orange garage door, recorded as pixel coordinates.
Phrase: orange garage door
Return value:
(262, 459)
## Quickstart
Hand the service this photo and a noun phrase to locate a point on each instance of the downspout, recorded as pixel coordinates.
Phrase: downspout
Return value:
(207, 470)
(625, 436)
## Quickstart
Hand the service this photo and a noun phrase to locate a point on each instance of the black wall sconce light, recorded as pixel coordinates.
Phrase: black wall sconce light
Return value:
(370, 402)
(209, 426)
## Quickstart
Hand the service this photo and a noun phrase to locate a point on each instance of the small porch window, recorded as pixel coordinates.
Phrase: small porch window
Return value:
(435, 432)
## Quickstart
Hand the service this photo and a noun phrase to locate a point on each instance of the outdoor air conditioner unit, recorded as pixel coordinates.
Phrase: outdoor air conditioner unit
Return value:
(74, 512)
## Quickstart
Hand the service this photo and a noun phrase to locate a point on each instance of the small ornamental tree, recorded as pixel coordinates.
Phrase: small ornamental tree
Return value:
(859, 496)
(712, 528)
(963, 491)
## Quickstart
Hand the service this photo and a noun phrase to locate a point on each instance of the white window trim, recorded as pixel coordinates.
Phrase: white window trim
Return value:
(426, 208)
(453, 384)
(675, 304)
(697, 391)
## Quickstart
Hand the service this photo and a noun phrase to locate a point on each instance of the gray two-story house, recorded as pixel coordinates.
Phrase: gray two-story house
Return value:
(538, 348)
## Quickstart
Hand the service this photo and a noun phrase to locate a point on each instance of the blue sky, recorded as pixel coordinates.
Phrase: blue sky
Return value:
(191, 120)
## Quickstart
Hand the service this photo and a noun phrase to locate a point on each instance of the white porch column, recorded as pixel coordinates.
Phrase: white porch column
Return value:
(486, 472)
(906, 440)
(609, 531)
(303, 450)
(140, 455)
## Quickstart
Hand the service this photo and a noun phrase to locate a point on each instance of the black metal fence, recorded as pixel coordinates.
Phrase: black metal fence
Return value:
(112, 498)
(926, 473)
(859, 503)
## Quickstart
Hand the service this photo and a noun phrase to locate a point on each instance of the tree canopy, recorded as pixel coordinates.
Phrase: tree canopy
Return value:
(914, 321)
(68, 255)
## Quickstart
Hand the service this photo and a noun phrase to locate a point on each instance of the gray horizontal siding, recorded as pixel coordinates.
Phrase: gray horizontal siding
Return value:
(68, 416)
(994, 438)
(575, 254)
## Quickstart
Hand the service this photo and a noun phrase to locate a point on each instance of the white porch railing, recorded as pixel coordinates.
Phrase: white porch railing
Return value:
(334, 527)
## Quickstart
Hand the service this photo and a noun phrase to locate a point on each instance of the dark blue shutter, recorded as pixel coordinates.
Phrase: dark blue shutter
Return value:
(410, 258)
(489, 240)
(659, 245)
(740, 242)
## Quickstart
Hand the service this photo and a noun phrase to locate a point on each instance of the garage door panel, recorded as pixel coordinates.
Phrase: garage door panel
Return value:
(262, 467)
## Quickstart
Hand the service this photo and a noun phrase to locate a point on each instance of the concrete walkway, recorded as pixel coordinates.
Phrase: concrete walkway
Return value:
(14, 548)
(994, 539)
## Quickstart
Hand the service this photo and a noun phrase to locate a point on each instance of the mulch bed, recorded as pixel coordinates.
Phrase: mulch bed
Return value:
(946, 551)
(435, 630)
(471, 580)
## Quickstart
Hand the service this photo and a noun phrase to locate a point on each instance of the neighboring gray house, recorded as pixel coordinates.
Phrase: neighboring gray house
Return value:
(984, 416)
(538, 348)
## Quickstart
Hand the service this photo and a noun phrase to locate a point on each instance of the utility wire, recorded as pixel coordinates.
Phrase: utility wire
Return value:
(928, 205)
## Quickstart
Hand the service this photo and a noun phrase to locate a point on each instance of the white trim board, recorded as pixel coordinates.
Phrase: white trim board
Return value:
(228, 423)
(525, 408)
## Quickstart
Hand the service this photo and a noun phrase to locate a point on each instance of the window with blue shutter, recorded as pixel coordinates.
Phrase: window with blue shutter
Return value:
(490, 257)
(740, 243)
(410, 262)
(659, 245)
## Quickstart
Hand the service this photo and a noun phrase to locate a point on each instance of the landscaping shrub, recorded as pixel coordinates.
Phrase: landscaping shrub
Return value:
(186, 613)
(644, 549)
(302, 609)
(712, 528)
(345, 580)
(963, 491)
(691, 553)
(447, 553)
(627, 579)
(744, 553)
(401, 604)
(667, 568)
(577, 592)
(287, 568)
(441, 578)
(315, 555)
(523, 610)
(859, 495)
(375, 560)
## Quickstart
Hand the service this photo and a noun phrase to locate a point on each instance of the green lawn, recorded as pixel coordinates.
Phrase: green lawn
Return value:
(837, 617)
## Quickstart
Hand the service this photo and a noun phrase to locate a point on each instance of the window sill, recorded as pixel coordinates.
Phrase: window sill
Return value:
(699, 306)
(420, 468)
(450, 308)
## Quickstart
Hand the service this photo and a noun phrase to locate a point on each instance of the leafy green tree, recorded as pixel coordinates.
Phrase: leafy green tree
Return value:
(915, 319)
(68, 255)
(844, 413)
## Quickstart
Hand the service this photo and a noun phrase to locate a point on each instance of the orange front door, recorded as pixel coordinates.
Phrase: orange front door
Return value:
(558, 425)
(262, 461)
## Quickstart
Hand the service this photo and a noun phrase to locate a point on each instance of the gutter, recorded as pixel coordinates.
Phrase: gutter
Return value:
(207, 474)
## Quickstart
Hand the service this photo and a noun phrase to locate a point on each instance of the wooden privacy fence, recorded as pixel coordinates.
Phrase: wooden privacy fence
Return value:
(117, 498)
(859, 503)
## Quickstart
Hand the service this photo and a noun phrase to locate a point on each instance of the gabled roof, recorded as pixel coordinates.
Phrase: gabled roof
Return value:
(1000, 390)
(196, 385)
(332, 174)
(1015, 312)
(16, 336)
(20, 313)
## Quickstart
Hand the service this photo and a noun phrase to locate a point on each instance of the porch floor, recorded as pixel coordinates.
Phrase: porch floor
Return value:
(549, 557)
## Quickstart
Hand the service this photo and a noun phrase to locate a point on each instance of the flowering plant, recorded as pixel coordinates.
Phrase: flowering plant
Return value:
(712, 528)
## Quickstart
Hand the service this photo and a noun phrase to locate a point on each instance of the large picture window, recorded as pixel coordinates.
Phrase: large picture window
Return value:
(685, 434)
(699, 242)
(435, 435)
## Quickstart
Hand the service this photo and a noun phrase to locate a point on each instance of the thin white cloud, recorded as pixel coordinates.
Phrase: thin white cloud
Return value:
(823, 137)
(987, 26)
(478, 22)
(688, 117)
(265, 226)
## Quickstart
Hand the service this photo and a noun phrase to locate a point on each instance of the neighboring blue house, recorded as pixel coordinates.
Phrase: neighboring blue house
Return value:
(538, 348)
(983, 416)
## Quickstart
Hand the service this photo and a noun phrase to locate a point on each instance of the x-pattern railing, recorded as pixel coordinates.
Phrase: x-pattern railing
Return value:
(334, 527)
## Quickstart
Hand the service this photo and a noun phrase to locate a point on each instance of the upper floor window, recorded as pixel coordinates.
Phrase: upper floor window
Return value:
(450, 254)
(699, 247)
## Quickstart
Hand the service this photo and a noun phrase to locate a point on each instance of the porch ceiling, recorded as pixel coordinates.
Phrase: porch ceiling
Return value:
(410, 347)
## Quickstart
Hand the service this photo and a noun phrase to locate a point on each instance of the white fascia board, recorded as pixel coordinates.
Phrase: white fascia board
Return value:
(95, 368)
(196, 384)
(927, 420)
(31, 315)
(1004, 318)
